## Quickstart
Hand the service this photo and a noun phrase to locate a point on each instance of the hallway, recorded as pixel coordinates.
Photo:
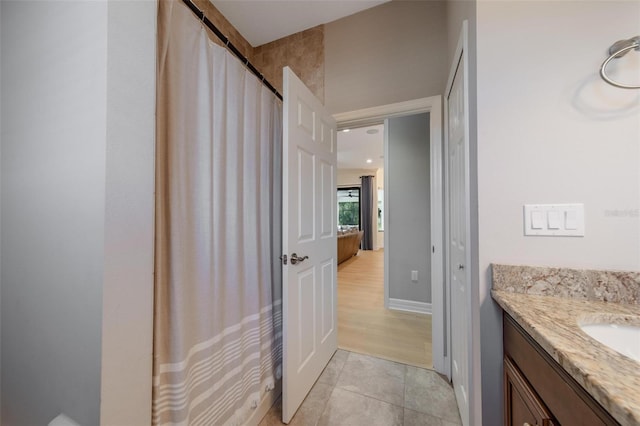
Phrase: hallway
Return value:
(365, 326)
(360, 390)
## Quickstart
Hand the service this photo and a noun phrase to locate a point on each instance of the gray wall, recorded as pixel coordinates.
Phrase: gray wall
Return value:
(53, 147)
(77, 176)
(391, 53)
(408, 209)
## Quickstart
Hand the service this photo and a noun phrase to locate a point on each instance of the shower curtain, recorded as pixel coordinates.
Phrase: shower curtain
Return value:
(217, 325)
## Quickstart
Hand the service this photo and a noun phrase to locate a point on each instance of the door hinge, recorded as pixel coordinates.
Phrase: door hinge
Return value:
(283, 258)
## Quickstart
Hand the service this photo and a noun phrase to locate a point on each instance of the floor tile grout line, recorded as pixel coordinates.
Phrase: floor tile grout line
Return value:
(333, 387)
(386, 359)
(370, 397)
(403, 407)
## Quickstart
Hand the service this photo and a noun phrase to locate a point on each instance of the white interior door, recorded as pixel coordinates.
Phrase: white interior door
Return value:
(459, 231)
(310, 332)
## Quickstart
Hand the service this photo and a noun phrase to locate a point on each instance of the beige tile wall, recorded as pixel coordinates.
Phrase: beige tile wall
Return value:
(303, 52)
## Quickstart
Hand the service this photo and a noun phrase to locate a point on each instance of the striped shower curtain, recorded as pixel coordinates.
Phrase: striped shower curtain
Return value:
(217, 326)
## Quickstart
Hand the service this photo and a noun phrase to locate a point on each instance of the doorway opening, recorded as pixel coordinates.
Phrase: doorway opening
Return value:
(365, 322)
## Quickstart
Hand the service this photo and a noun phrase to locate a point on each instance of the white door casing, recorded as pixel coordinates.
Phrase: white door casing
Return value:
(309, 229)
(459, 226)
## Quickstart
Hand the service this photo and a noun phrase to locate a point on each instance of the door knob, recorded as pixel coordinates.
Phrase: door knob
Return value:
(295, 259)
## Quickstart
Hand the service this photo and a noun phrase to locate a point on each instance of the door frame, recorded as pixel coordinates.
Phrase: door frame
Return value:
(377, 115)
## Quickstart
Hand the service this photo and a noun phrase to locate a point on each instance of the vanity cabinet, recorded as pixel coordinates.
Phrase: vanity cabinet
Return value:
(537, 390)
(522, 405)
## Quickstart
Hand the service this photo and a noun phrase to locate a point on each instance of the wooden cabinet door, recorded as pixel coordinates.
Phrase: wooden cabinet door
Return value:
(522, 407)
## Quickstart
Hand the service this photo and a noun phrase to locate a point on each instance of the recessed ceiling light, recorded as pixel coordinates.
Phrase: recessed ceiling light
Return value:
(346, 130)
(372, 131)
(369, 160)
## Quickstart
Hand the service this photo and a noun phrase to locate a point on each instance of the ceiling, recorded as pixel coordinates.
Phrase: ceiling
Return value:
(356, 146)
(262, 21)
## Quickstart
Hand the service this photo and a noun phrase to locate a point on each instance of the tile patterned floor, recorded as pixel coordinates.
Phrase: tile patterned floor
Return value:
(360, 390)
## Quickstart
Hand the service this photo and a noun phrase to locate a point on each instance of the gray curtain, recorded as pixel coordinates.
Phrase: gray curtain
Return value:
(367, 208)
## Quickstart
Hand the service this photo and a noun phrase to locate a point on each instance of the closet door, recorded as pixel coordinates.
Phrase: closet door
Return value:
(309, 242)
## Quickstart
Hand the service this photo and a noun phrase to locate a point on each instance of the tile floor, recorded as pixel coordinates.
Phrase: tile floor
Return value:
(362, 390)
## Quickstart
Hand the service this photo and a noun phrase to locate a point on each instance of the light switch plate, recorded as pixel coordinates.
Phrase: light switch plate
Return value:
(561, 220)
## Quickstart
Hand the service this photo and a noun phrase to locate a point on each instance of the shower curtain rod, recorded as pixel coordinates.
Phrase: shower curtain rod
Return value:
(230, 46)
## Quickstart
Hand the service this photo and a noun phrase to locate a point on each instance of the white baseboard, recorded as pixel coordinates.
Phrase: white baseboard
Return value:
(410, 306)
(265, 405)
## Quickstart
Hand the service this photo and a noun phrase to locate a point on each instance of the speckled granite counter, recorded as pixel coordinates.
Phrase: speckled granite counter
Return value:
(553, 321)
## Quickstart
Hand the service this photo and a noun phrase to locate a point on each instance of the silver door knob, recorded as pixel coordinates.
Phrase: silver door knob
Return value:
(295, 259)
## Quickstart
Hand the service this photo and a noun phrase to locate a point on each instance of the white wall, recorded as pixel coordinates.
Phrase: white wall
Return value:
(53, 146)
(351, 177)
(391, 53)
(77, 142)
(129, 217)
(551, 131)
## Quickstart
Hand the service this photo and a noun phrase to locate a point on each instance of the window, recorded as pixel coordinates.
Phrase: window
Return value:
(349, 207)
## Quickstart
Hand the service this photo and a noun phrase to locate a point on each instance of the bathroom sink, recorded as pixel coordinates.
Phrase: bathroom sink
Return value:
(622, 338)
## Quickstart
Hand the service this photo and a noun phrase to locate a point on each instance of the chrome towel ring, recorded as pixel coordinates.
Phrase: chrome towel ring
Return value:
(618, 50)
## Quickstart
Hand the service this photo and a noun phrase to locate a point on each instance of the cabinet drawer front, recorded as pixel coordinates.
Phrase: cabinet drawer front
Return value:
(522, 405)
(569, 403)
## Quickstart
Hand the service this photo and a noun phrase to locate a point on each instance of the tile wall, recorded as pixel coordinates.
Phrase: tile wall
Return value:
(303, 52)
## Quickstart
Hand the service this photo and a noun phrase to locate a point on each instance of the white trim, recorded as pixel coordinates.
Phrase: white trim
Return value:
(265, 405)
(439, 324)
(377, 115)
(385, 237)
(410, 306)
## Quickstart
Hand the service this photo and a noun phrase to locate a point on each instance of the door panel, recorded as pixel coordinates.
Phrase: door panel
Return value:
(306, 303)
(328, 310)
(328, 208)
(306, 195)
(309, 229)
(459, 229)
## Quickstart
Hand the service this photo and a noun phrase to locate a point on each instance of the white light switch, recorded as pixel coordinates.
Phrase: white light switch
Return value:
(554, 219)
(537, 219)
(570, 219)
(414, 276)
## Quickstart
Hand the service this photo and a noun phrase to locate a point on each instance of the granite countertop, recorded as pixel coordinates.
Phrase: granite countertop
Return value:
(552, 318)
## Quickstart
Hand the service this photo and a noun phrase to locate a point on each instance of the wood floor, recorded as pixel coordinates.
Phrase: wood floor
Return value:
(365, 326)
